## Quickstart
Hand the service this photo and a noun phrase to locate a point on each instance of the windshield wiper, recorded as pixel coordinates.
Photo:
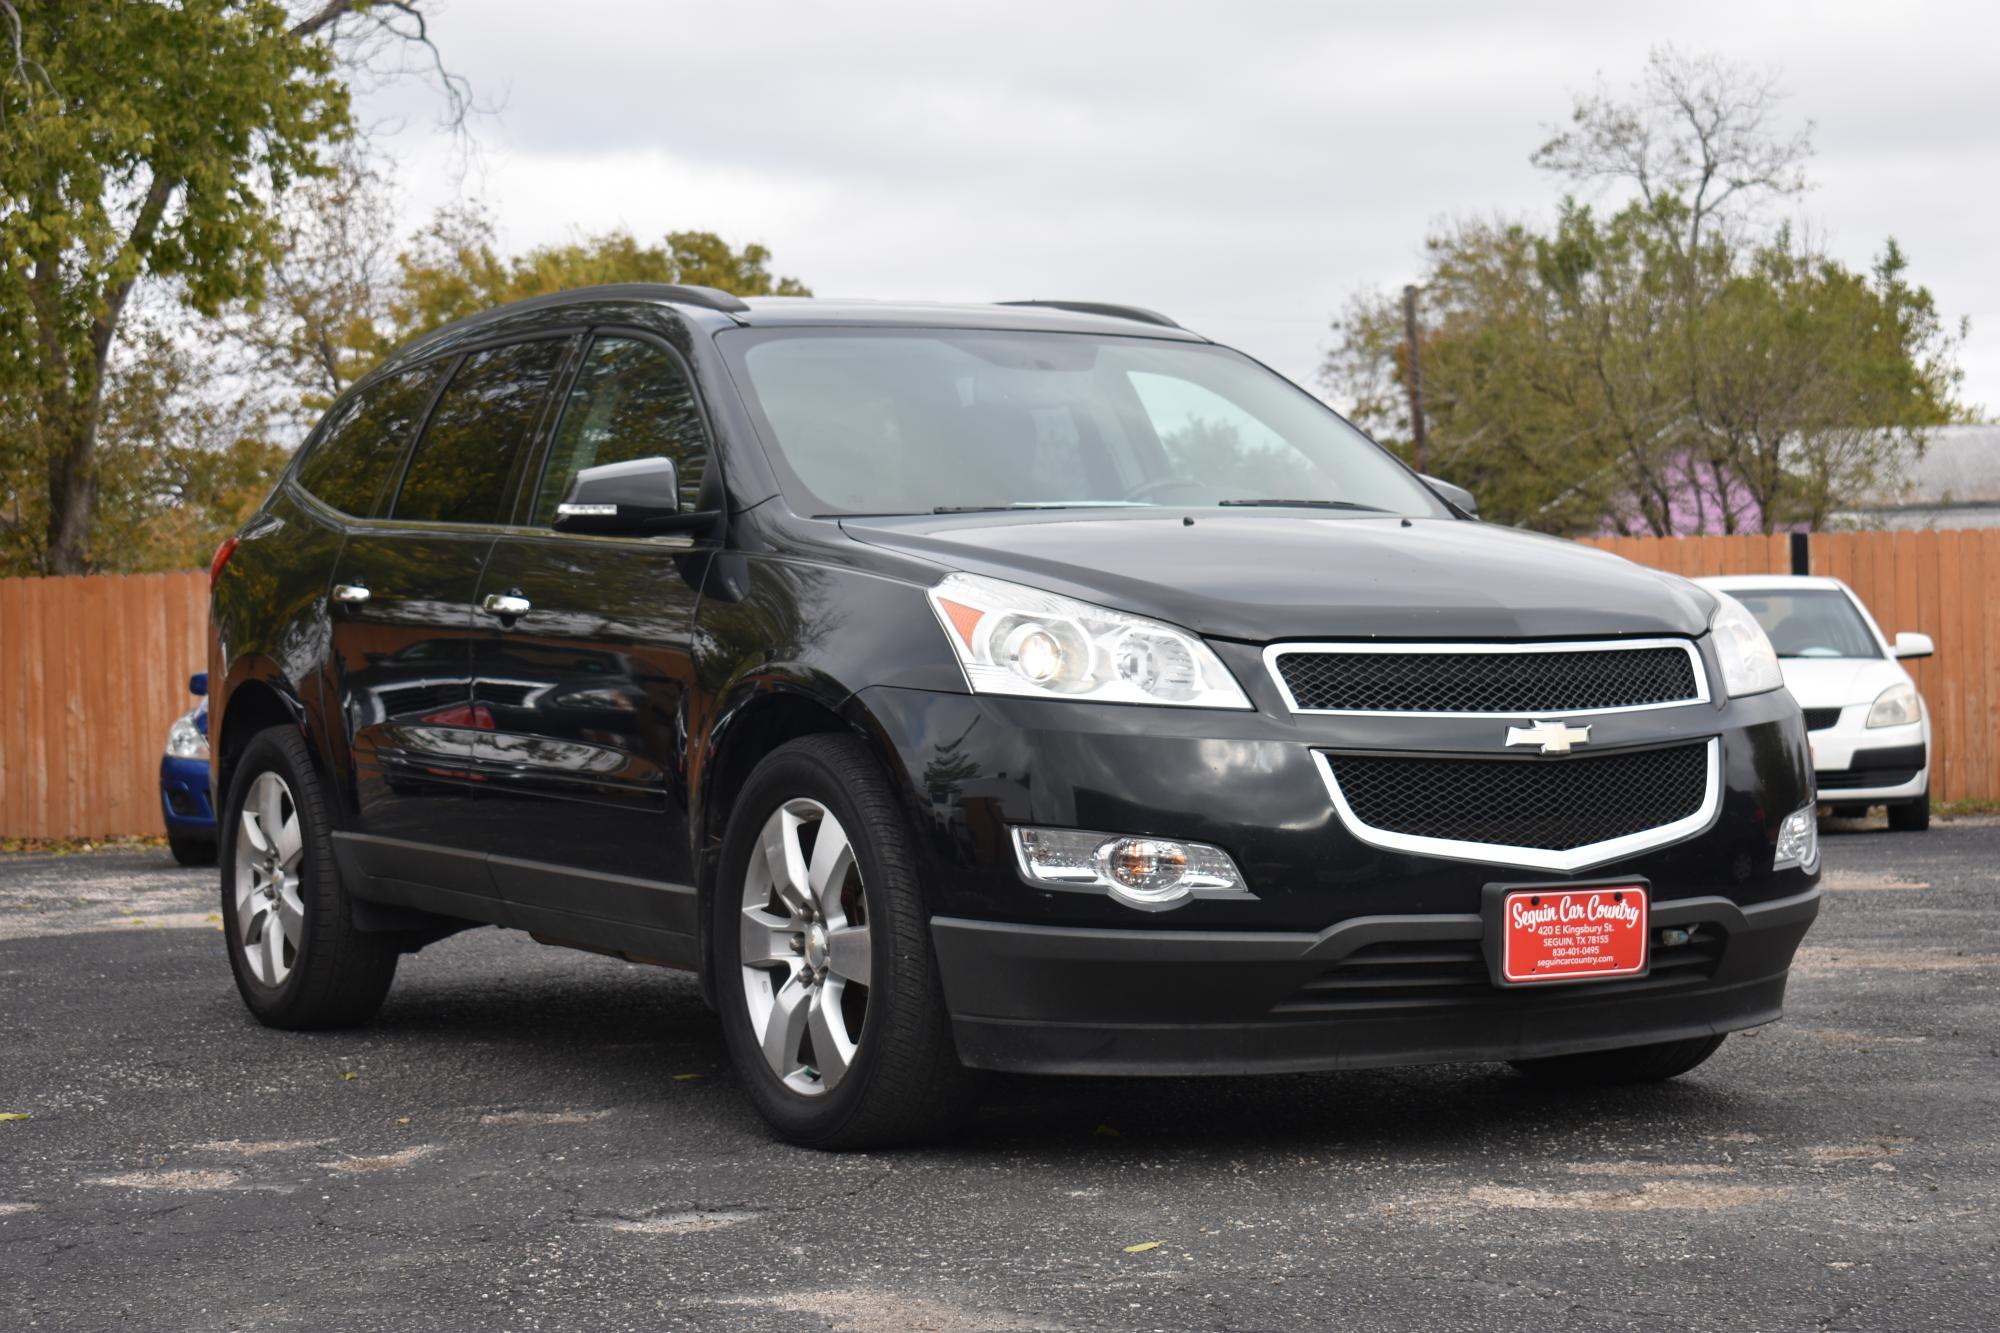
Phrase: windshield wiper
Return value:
(1020, 506)
(1304, 504)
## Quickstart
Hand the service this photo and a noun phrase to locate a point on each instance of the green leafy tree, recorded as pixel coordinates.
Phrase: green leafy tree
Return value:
(1667, 364)
(454, 268)
(183, 461)
(143, 141)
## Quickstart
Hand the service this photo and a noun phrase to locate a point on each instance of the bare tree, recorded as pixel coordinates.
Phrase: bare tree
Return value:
(381, 41)
(325, 292)
(1697, 134)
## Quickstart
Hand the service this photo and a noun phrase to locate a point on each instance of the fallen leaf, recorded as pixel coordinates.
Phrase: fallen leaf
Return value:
(1142, 1247)
(1107, 1132)
(13, 1115)
(349, 1075)
(402, 1120)
(683, 1078)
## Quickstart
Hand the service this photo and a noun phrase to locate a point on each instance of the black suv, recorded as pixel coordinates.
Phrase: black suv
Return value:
(1034, 687)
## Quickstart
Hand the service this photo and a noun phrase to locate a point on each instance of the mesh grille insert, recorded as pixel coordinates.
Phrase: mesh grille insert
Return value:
(1551, 805)
(1525, 682)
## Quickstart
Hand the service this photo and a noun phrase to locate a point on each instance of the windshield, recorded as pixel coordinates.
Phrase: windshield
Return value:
(921, 421)
(1810, 622)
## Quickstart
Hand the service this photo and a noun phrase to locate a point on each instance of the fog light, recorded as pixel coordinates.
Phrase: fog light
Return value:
(1798, 840)
(1151, 874)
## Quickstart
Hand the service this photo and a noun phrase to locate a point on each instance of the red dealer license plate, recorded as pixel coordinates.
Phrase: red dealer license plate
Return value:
(1572, 934)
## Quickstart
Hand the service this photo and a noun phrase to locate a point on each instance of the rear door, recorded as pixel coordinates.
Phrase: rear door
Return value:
(583, 697)
(403, 620)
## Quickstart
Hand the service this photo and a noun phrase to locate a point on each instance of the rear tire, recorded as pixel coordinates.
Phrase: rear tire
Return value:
(191, 851)
(1631, 1064)
(299, 961)
(1911, 816)
(793, 946)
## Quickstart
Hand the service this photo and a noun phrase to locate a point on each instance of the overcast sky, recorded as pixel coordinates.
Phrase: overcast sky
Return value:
(1243, 166)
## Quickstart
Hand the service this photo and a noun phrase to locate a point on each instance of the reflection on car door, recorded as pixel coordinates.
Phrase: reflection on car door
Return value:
(402, 612)
(582, 696)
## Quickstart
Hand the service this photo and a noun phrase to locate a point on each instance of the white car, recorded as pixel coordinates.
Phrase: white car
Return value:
(1869, 727)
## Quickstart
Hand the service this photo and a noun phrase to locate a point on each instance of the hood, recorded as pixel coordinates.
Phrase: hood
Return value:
(1837, 682)
(1269, 574)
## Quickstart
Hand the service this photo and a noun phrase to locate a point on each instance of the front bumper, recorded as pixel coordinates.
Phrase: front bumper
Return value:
(1874, 773)
(1373, 991)
(1855, 764)
(184, 801)
(1072, 982)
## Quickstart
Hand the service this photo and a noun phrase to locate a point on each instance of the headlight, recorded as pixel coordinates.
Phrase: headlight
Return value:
(1798, 840)
(1895, 706)
(1151, 874)
(185, 739)
(1016, 640)
(1749, 662)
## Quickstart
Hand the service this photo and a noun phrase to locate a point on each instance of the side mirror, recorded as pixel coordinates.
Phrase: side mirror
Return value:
(1457, 495)
(198, 683)
(631, 499)
(1914, 645)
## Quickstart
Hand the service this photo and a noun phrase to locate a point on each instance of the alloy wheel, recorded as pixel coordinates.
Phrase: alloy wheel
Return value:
(805, 949)
(270, 914)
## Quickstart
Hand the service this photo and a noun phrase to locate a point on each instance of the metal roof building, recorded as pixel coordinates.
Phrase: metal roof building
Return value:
(1956, 484)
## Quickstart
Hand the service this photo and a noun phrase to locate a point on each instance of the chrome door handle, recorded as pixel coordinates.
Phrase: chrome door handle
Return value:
(355, 593)
(506, 604)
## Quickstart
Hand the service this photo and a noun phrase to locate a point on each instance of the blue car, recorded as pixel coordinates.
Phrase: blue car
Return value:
(184, 782)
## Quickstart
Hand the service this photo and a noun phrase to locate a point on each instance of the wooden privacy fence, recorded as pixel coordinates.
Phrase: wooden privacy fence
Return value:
(1940, 583)
(93, 669)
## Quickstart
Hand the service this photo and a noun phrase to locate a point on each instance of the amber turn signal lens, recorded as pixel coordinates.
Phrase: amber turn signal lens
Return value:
(1145, 863)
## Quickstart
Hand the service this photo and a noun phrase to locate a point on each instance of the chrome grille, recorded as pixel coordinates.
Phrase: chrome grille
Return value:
(1554, 805)
(1488, 679)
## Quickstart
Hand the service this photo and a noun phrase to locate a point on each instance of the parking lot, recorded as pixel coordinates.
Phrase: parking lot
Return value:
(536, 1139)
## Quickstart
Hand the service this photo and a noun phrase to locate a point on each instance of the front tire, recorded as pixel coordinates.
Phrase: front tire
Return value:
(299, 961)
(828, 987)
(1631, 1064)
(1911, 816)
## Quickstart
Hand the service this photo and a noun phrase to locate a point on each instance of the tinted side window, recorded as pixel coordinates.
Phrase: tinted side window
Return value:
(483, 419)
(349, 465)
(631, 400)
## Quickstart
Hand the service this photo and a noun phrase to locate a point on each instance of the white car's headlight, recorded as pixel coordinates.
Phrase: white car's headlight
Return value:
(186, 740)
(1749, 662)
(1896, 706)
(1016, 640)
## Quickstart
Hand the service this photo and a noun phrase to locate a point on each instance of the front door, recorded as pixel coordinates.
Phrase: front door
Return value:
(581, 691)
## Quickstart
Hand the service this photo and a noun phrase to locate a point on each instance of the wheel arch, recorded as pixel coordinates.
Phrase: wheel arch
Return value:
(256, 700)
(753, 719)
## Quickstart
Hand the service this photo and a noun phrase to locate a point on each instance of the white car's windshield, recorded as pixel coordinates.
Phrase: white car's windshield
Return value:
(923, 421)
(1810, 622)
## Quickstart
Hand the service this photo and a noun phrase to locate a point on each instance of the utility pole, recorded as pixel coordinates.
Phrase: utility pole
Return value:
(1416, 371)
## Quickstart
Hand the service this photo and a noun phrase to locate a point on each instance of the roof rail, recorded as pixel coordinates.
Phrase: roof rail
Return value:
(1140, 313)
(712, 298)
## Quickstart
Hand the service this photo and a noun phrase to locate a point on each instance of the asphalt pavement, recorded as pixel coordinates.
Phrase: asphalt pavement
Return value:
(529, 1138)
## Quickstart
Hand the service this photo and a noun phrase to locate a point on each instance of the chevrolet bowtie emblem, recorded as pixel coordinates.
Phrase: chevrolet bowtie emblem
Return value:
(1553, 737)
